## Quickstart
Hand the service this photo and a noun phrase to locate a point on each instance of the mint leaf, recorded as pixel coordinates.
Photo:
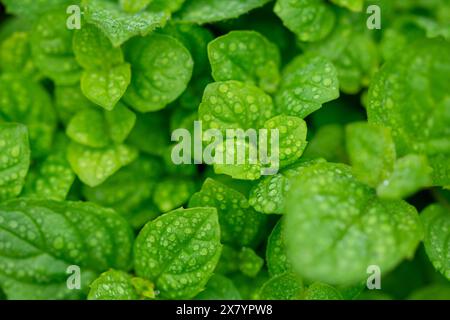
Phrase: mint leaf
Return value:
(328, 143)
(234, 105)
(249, 262)
(133, 6)
(161, 67)
(15, 54)
(31, 9)
(34, 264)
(69, 100)
(353, 5)
(361, 225)
(93, 166)
(14, 159)
(81, 130)
(436, 221)
(207, 11)
(307, 82)
(118, 25)
(285, 286)
(240, 225)
(371, 150)
(310, 20)
(245, 56)
(179, 251)
(417, 115)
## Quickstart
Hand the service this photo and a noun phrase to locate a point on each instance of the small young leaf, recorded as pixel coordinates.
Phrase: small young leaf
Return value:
(81, 130)
(307, 82)
(234, 105)
(249, 262)
(14, 159)
(69, 100)
(310, 20)
(240, 225)
(173, 192)
(207, 11)
(436, 221)
(120, 122)
(94, 166)
(321, 291)
(245, 56)
(355, 228)
(286, 286)
(161, 67)
(179, 251)
(118, 25)
(106, 87)
(371, 150)
(113, 285)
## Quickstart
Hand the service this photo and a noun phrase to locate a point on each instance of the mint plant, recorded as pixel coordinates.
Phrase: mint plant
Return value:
(224, 149)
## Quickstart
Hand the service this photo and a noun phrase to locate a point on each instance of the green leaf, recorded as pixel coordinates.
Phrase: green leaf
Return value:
(269, 194)
(24, 101)
(417, 114)
(113, 285)
(53, 177)
(119, 285)
(292, 137)
(234, 105)
(173, 192)
(14, 159)
(285, 286)
(41, 239)
(355, 228)
(276, 258)
(93, 50)
(69, 100)
(249, 262)
(15, 54)
(81, 130)
(179, 251)
(94, 166)
(133, 6)
(219, 288)
(245, 56)
(161, 67)
(436, 221)
(307, 82)
(195, 38)
(371, 150)
(321, 291)
(118, 25)
(410, 174)
(240, 225)
(310, 20)
(51, 45)
(106, 87)
(207, 11)
(120, 123)
(128, 189)
(353, 5)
